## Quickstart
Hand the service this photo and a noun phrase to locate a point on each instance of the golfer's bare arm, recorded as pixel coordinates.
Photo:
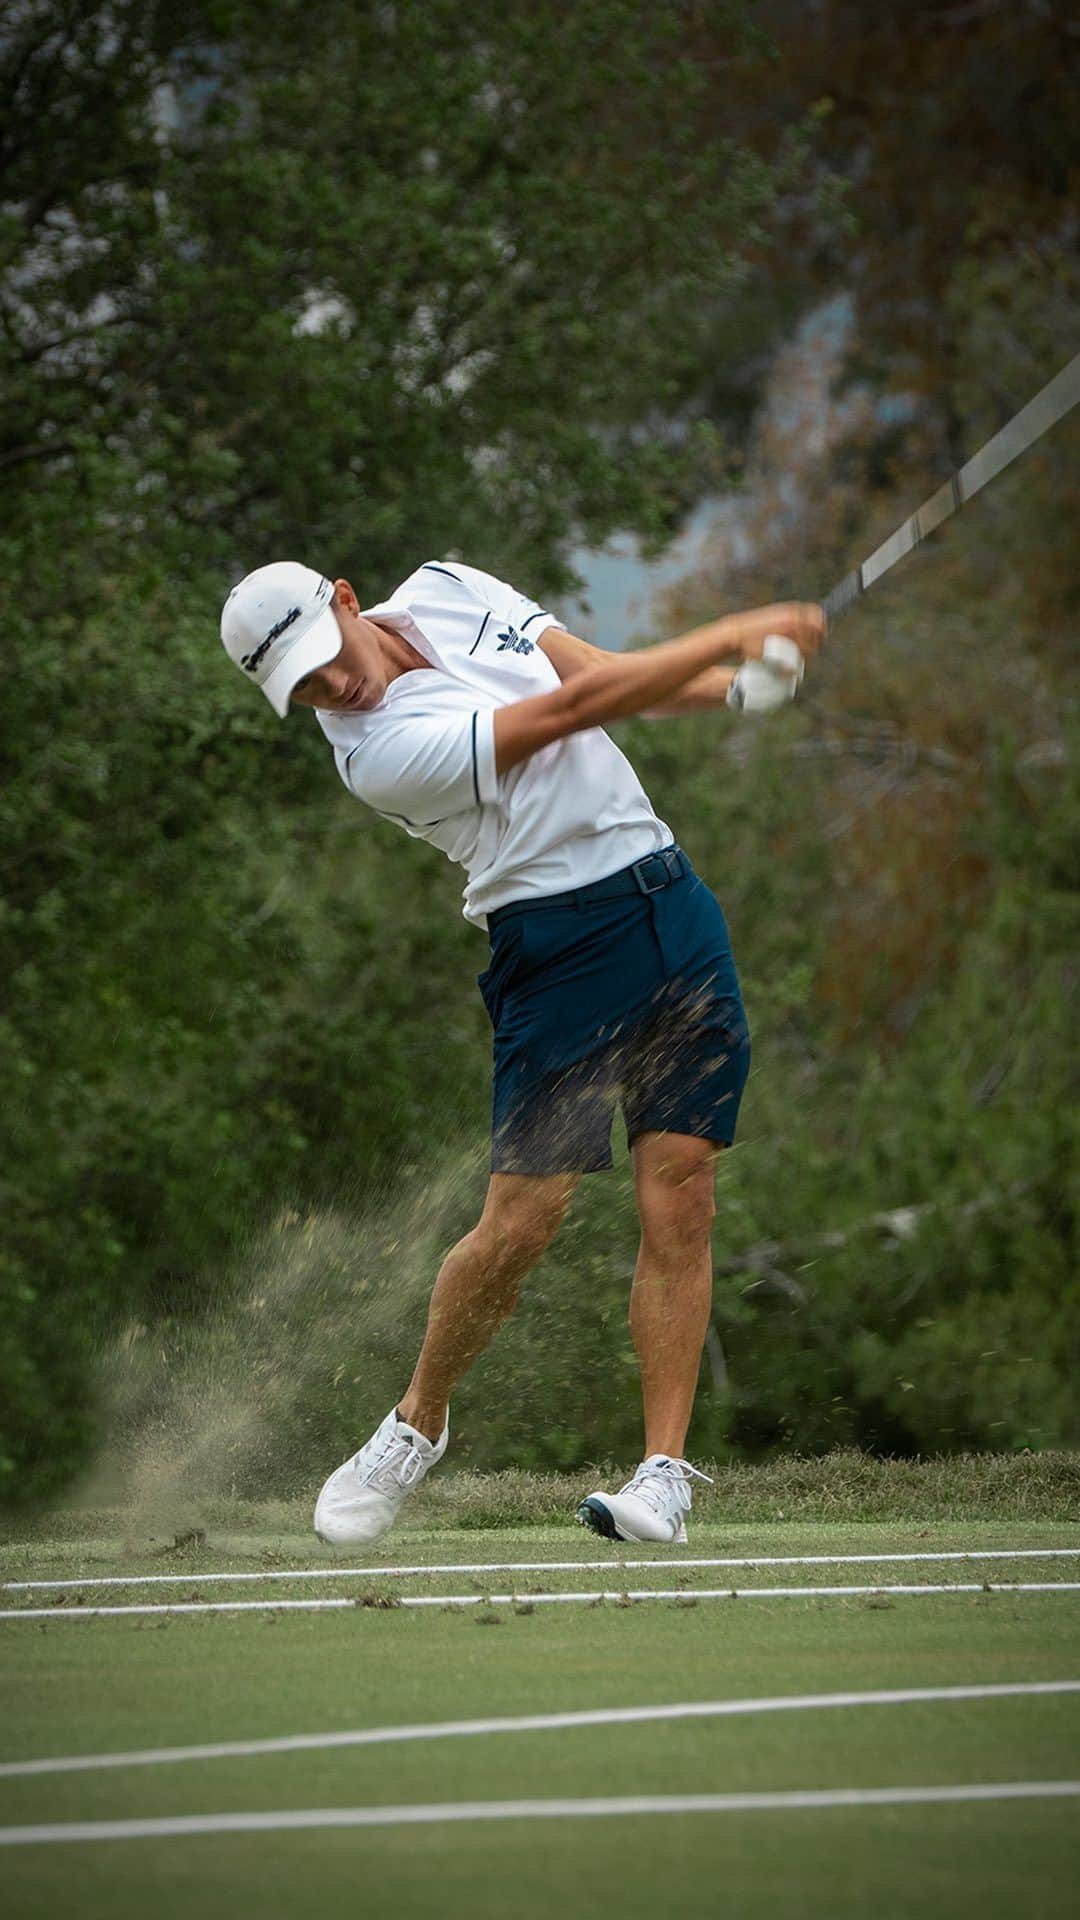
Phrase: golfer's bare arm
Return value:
(569, 655)
(598, 687)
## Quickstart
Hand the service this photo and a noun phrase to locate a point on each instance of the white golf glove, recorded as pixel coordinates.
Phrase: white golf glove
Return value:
(762, 685)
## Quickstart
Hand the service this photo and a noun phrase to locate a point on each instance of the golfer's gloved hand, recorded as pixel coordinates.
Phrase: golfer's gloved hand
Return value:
(760, 686)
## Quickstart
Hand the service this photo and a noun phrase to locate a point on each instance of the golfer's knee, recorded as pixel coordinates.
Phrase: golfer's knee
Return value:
(522, 1217)
(677, 1205)
(521, 1236)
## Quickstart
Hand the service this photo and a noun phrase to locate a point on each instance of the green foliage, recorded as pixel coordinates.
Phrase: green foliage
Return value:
(370, 281)
(367, 283)
(361, 283)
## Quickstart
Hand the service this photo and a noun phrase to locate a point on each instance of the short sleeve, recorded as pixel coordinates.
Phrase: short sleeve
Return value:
(524, 615)
(425, 770)
(528, 617)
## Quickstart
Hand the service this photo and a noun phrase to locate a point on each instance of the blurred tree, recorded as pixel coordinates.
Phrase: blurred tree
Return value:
(954, 130)
(369, 282)
(369, 279)
(360, 282)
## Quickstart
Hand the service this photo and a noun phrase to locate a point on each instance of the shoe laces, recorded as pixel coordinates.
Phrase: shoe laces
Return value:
(657, 1483)
(393, 1459)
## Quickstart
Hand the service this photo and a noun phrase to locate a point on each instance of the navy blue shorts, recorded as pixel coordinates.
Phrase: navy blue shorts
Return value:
(623, 992)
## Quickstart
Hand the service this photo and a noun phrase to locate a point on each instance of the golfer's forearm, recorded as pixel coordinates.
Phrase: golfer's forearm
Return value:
(703, 694)
(632, 682)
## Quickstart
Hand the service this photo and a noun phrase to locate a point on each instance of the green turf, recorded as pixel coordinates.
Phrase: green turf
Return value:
(904, 1864)
(270, 1538)
(100, 1685)
(838, 1487)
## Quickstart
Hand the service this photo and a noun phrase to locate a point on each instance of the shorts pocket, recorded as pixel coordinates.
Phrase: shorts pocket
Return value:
(547, 937)
(570, 938)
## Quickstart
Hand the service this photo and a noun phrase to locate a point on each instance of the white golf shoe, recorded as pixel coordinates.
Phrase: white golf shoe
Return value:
(361, 1501)
(651, 1506)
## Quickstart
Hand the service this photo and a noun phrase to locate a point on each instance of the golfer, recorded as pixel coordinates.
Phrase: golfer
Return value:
(464, 712)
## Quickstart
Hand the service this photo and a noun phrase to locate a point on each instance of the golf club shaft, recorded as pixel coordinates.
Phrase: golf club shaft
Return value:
(1043, 412)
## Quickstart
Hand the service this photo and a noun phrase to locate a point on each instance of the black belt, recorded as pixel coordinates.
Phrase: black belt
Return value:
(650, 875)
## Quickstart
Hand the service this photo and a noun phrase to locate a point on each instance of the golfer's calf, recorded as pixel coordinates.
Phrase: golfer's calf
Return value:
(478, 1286)
(476, 1289)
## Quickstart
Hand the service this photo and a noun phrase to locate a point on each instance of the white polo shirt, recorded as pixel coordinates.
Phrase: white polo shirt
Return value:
(573, 812)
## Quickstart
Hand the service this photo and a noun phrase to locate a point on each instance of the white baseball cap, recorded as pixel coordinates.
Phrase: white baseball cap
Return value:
(278, 624)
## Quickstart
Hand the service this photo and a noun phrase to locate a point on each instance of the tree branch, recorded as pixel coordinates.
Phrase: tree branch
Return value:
(45, 450)
(897, 1224)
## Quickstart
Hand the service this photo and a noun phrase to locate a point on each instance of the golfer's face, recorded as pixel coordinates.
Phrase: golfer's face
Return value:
(355, 679)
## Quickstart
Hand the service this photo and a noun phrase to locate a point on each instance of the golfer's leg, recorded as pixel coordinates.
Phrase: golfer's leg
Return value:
(671, 1296)
(478, 1285)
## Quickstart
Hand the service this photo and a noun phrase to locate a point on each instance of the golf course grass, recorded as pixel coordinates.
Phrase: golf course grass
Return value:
(77, 1685)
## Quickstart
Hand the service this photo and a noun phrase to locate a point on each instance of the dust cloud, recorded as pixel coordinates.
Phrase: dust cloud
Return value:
(313, 1340)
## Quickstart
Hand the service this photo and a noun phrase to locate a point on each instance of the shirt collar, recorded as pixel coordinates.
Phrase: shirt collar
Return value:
(396, 613)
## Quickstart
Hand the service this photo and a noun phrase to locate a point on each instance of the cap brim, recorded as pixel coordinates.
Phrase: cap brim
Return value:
(315, 648)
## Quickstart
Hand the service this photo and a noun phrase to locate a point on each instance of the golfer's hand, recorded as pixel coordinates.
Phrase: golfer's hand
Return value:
(777, 642)
(800, 620)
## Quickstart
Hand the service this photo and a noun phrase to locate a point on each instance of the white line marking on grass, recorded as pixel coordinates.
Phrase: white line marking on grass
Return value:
(532, 1723)
(621, 1595)
(535, 1566)
(191, 1824)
